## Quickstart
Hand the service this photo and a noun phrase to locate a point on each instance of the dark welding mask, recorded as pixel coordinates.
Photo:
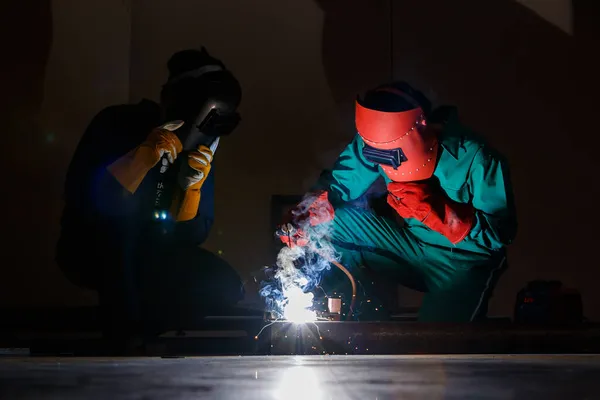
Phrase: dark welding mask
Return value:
(206, 99)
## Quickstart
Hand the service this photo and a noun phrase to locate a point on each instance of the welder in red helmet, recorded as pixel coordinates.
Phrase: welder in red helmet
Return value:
(450, 192)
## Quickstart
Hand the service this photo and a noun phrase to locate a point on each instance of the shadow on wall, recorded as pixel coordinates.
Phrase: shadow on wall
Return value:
(26, 32)
(356, 54)
(63, 61)
(519, 81)
(23, 67)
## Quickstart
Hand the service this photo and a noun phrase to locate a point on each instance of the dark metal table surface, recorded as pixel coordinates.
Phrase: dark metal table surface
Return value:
(530, 377)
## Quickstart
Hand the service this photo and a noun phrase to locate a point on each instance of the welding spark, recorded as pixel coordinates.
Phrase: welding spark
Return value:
(318, 331)
(262, 329)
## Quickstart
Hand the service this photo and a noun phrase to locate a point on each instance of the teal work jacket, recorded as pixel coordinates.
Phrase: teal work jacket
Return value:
(469, 171)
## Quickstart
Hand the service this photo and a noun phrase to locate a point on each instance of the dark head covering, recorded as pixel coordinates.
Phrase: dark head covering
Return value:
(195, 78)
(185, 61)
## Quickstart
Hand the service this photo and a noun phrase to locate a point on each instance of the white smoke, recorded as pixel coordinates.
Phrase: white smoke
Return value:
(301, 268)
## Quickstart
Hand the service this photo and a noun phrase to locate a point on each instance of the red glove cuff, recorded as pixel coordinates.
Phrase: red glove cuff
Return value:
(431, 206)
(314, 209)
(452, 219)
(320, 210)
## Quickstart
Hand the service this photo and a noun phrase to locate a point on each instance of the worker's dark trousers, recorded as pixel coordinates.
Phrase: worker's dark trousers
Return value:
(179, 285)
(162, 287)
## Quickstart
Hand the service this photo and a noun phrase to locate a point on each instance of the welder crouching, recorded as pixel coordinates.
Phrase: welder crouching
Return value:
(139, 161)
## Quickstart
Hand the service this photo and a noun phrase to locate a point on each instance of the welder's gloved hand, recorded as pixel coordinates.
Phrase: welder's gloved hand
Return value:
(292, 236)
(194, 173)
(427, 202)
(191, 177)
(314, 210)
(131, 169)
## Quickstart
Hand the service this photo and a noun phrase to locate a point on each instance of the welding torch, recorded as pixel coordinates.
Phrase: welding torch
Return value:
(296, 235)
(195, 135)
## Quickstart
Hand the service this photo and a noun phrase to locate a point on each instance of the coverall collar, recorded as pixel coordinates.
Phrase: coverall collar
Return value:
(451, 138)
(451, 143)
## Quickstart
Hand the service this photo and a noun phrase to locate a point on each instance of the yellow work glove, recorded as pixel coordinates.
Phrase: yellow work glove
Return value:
(192, 176)
(131, 169)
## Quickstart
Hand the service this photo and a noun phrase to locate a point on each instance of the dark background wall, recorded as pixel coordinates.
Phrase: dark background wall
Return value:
(523, 82)
(62, 62)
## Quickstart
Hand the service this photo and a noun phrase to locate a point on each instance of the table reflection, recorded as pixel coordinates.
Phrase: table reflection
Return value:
(299, 382)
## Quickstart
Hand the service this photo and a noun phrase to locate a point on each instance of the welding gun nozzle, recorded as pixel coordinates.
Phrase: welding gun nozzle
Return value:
(285, 229)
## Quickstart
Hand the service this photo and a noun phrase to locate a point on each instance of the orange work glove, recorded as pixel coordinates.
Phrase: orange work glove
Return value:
(191, 177)
(131, 169)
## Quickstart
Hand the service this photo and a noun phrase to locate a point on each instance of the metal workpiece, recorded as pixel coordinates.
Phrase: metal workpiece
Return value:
(369, 338)
(259, 334)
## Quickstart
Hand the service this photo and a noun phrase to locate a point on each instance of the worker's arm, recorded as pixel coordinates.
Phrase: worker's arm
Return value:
(194, 202)
(351, 175)
(95, 202)
(490, 187)
(196, 230)
(131, 168)
(89, 189)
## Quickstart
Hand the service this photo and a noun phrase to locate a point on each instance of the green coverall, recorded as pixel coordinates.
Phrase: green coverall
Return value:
(458, 279)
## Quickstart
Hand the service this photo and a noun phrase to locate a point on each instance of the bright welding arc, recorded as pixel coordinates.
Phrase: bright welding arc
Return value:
(350, 277)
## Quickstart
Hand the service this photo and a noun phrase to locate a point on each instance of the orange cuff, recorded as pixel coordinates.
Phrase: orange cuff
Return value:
(131, 169)
(189, 205)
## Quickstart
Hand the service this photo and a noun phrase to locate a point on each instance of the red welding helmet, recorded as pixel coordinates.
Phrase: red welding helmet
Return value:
(398, 140)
